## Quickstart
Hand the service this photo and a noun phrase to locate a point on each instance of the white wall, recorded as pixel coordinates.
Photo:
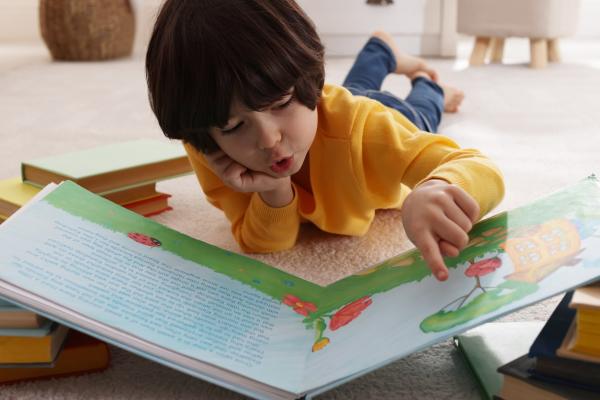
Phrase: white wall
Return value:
(589, 17)
(19, 19)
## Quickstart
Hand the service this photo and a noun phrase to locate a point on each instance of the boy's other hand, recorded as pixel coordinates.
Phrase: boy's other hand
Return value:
(277, 192)
(437, 217)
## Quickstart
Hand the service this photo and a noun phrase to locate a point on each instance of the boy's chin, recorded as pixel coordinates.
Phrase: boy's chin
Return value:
(281, 174)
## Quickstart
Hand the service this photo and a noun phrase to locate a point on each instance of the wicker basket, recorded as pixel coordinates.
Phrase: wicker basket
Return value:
(79, 30)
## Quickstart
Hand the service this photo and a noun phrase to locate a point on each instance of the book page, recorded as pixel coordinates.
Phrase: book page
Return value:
(130, 282)
(513, 260)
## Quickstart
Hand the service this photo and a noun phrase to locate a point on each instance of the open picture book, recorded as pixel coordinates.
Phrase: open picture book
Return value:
(94, 266)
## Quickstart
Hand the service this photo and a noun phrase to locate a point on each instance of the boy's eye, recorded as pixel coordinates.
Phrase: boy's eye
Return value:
(233, 129)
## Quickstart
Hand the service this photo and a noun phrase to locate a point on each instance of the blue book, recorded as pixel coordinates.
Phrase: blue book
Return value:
(6, 304)
(555, 330)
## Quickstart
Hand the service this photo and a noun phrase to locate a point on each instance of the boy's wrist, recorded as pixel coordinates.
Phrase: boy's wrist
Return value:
(432, 182)
(281, 196)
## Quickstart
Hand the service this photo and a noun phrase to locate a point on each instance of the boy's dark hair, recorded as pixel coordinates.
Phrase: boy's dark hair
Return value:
(203, 53)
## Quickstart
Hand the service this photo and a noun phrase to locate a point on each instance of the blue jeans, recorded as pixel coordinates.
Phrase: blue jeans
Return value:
(424, 104)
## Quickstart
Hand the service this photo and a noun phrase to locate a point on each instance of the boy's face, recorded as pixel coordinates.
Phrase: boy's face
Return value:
(275, 140)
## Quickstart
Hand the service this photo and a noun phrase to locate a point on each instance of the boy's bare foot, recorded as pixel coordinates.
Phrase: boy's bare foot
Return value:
(405, 63)
(453, 98)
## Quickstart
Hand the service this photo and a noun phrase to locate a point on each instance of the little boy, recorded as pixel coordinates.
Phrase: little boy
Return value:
(242, 85)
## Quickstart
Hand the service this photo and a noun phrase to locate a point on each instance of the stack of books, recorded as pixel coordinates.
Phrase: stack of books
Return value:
(33, 347)
(125, 173)
(583, 337)
(562, 360)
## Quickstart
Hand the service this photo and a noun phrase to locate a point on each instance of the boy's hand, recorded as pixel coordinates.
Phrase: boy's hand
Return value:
(437, 217)
(277, 192)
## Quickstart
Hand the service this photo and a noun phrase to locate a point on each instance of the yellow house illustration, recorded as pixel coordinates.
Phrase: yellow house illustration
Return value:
(542, 250)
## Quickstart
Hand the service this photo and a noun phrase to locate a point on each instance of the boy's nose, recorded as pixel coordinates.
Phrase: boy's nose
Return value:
(269, 136)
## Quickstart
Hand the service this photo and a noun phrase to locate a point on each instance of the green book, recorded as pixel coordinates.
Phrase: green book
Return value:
(91, 265)
(492, 345)
(110, 168)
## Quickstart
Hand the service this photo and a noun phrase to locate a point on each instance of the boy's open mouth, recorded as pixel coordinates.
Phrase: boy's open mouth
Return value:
(282, 165)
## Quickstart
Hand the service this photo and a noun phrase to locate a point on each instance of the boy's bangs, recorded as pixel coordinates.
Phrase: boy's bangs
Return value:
(263, 88)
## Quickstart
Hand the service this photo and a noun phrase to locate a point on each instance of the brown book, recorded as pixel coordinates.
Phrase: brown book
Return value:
(81, 354)
(12, 316)
(150, 206)
(520, 385)
(20, 318)
(132, 194)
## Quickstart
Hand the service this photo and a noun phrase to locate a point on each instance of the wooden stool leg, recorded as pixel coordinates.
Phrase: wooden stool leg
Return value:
(539, 53)
(497, 49)
(479, 51)
(553, 50)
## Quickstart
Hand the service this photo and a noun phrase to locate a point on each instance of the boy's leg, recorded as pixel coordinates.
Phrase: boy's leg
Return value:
(374, 62)
(423, 106)
(427, 98)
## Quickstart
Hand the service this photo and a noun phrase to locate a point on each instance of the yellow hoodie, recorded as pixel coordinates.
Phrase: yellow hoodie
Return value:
(365, 156)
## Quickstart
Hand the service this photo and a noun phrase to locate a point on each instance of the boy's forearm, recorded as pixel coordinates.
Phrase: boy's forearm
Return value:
(267, 229)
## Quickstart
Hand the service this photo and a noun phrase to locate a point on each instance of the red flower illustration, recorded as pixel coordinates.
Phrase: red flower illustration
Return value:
(301, 307)
(483, 267)
(349, 312)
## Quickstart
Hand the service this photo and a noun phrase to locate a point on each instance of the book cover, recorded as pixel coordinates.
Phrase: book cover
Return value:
(554, 331)
(489, 346)
(245, 325)
(109, 168)
(526, 387)
(587, 297)
(81, 354)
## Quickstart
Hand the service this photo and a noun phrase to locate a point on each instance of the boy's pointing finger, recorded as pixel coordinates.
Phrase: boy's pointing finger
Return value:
(433, 258)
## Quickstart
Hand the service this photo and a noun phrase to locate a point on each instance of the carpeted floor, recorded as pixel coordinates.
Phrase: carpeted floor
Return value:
(540, 126)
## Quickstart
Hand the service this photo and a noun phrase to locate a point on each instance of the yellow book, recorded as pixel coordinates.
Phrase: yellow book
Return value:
(41, 345)
(586, 338)
(13, 195)
(81, 354)
(586, 343)
(588, 321)
(567, 347)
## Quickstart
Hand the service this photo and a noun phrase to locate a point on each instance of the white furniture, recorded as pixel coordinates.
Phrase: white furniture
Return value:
(542, 21)
(425, 27)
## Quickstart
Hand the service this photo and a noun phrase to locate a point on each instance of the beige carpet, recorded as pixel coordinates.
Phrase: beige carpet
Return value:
(541, 127)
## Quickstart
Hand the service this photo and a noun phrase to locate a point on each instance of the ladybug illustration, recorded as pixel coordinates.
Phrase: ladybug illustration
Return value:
(144, 239)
